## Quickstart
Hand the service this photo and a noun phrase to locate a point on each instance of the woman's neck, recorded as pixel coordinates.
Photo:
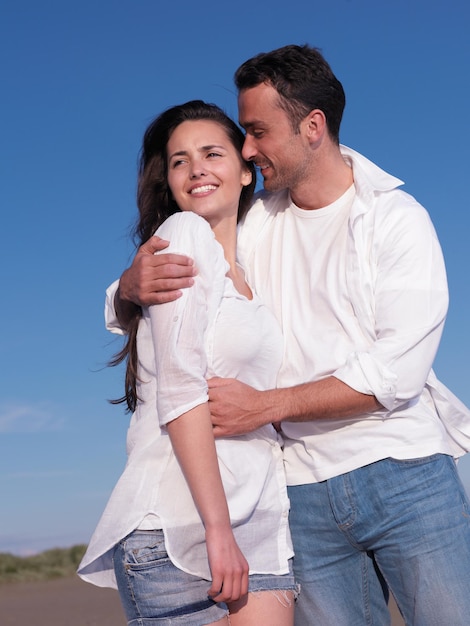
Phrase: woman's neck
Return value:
(226, 234)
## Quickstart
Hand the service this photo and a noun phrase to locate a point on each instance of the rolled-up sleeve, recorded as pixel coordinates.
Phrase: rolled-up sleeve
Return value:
(110, 317)
(410, 301)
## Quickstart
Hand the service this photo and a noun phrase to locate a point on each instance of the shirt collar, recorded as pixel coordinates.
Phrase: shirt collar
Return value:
(367, 175)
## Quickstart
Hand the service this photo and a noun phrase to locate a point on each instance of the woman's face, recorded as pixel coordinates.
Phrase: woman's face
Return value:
(205, 171)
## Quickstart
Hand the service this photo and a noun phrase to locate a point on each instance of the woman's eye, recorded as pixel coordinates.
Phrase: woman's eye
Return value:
(213, 154)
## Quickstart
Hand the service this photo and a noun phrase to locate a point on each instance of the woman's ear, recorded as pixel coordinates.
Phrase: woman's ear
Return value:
(247, 177)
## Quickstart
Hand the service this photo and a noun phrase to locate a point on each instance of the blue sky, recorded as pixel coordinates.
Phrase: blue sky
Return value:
(80, 82)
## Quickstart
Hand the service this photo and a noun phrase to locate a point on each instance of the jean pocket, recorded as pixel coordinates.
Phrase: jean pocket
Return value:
(145, 548)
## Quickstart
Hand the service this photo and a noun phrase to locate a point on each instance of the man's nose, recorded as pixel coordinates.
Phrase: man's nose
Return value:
(249, 149)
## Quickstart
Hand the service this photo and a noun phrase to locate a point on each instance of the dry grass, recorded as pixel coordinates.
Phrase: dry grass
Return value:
(55, 563)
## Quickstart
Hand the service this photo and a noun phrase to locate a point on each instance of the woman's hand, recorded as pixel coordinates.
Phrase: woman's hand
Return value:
(229, 567)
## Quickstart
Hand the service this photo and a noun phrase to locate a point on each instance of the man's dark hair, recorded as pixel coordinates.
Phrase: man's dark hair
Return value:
(302, 78)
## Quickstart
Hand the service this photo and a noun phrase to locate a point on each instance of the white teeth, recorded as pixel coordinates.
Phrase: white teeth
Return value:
(203, 189)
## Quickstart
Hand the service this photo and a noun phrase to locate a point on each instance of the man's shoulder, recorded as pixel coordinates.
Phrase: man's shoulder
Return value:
(269, 202)
(265, 207)
(271, 198)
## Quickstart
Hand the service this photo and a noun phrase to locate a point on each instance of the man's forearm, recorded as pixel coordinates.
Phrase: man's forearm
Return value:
(237, 408)
(329, 398)
(125, 309)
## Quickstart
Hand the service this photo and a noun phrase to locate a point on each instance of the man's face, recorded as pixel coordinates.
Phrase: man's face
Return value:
(281, 154)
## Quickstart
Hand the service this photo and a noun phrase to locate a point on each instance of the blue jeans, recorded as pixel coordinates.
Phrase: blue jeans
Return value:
(398, 525)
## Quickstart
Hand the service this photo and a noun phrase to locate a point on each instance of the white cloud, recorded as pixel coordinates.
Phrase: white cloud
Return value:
(23, 418)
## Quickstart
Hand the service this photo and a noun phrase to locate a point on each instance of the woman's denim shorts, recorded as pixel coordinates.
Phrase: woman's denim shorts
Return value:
(155, 592)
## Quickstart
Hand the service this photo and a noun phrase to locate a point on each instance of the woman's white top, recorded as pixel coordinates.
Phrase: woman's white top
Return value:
(212, 330)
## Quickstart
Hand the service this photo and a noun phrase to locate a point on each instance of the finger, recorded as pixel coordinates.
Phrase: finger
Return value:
(168, 272)
(226, 593)
(169, 284)
(171, 258)
(245, 583)
(235, 590)
(217, 432)
(154, 244)
(216, 381)
(216, 587)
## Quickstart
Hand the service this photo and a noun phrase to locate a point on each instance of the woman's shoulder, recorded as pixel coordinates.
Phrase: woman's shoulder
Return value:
(185, 230)
(191, 235)
(184, 221)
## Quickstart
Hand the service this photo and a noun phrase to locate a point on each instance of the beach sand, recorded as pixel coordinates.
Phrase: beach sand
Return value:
(61, 602)
(70, 602)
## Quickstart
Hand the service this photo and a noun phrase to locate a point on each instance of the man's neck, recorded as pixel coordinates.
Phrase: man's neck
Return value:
(330, 178)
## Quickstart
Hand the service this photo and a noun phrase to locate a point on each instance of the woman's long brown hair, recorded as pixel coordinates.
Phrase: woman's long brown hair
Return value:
(156, 204)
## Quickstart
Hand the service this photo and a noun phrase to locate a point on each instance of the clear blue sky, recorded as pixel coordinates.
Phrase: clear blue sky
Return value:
(80, 81)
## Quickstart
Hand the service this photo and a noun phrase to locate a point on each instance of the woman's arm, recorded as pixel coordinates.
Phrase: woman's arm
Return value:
(179, 336)
(193, 443)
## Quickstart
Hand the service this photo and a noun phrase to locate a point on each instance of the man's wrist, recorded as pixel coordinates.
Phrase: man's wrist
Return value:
(271, 406)
(124, 309)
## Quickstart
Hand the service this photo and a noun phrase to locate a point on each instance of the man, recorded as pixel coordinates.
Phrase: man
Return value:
(353, 271)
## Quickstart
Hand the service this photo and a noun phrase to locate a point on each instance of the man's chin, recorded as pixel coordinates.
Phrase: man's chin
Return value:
(267, 180)
(271, 185)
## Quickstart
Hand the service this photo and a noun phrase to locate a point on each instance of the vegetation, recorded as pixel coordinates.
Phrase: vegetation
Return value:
(56, 563)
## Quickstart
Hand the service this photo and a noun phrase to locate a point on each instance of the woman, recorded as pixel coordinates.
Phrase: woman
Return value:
(187, 509)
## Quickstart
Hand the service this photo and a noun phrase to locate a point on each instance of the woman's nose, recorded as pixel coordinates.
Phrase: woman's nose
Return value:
(197, 170)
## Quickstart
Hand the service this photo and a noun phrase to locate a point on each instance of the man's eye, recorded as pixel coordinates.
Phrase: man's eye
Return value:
(257, 134)
(213, 154)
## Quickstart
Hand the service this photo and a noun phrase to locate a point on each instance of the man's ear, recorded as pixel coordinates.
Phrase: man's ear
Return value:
(315, 124)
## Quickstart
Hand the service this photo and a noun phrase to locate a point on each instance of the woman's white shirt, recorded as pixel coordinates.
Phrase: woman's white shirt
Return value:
(212, 330)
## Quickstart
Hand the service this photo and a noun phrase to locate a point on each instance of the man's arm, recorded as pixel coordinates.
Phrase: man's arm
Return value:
(152, 279)
(410, 305)
(237, 408)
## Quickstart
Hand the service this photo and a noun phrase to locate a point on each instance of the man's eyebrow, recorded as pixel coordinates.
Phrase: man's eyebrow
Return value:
(251, 124)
